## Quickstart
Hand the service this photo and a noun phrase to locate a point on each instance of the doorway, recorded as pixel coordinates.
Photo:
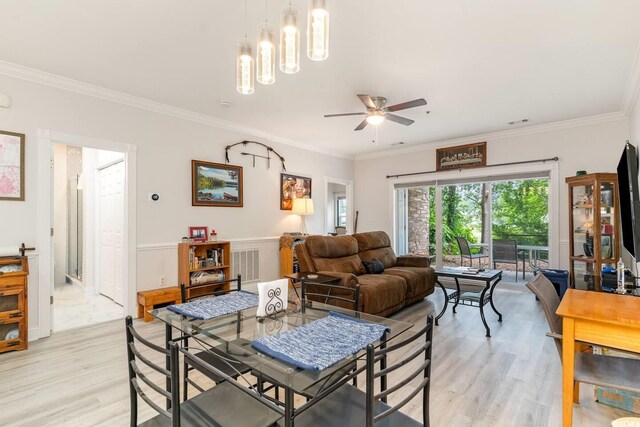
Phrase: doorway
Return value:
(89, 255)
(338, 206)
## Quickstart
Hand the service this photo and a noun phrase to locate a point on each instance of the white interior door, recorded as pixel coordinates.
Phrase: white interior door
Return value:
(111, 231)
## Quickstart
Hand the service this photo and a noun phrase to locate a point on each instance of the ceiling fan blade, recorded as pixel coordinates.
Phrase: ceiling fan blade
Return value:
(398, 119)
(344, 114)
(409, 104)
(362, 125)
(366, 100)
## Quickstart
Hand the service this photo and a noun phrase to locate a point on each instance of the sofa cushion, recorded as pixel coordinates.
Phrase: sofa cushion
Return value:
(348, 264)
(381, 294)
(420, 281)
(376, 245)
(331, 246)
(373, 266)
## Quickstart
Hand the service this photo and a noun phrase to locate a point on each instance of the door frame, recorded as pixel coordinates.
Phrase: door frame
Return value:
(436, 178)
(46, 139)
(349, 195)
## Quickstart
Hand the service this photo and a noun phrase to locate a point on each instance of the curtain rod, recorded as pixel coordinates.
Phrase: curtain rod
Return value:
(550, 159)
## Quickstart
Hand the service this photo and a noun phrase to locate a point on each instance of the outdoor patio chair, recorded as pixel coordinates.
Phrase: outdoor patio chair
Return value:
(465, 252)
(505, 251)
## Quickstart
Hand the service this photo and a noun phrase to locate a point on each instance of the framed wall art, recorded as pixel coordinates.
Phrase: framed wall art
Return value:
(216, 184)
(11, 166)
(293, 187)
(462, 156)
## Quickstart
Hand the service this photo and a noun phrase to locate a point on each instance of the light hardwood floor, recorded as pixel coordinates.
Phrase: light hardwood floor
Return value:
(79, 377)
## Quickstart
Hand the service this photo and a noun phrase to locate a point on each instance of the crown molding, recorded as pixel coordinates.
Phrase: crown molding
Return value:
(632, 90)
(493, 136)
(71, 85)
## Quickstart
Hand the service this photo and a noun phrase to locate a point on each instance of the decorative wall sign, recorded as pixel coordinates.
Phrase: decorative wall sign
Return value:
(215, 184)
(11, 166)
(293, 187)
(462, 156)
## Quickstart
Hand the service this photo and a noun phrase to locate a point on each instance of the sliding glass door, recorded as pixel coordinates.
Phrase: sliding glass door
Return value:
(459, 222)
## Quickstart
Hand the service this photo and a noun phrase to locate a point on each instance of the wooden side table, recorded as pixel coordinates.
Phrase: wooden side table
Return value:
(148, 299)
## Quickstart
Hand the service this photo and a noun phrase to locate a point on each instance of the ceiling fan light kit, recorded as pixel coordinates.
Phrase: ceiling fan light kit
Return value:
(289, 46)
(378, 112)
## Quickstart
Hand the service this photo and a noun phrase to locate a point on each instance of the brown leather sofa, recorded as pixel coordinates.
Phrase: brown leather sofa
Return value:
(405, 280)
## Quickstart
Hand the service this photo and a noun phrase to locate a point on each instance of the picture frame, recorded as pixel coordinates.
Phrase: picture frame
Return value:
(12, 166)
(605, 247)
(462, 156)
(198, 233)
(216, 184)
(293, 187)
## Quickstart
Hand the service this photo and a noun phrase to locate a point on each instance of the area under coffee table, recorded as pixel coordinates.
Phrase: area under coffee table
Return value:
(475, 299)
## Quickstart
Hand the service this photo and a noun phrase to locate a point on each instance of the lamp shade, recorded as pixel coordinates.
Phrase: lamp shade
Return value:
(302, 206)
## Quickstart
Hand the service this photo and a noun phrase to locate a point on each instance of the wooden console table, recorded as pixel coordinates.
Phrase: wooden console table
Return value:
(605, 319)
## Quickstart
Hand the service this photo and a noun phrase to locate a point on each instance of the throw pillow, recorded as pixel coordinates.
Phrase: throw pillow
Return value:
(373, 266)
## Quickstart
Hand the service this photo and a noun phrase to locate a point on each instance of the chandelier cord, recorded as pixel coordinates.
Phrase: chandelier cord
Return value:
(245, 21)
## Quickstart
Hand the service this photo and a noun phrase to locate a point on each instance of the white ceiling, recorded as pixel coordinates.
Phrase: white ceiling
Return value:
(478, 63)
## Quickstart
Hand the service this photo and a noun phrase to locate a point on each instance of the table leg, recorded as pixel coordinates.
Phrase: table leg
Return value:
(383, 365)
(484, 321)
(169, 336)
(568, 360)
(491, 299)
(446, 301)
(457, 294)
(288, 407)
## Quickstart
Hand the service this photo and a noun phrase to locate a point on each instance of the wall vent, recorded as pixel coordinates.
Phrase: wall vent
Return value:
(246, 262)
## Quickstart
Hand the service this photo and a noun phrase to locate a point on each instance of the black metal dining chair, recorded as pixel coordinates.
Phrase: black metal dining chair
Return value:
(505, 251)
(229, 403)
(354, 407)
(465, 252)
(198, 291)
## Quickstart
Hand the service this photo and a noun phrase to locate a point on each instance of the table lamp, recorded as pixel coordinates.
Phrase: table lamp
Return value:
(302, 207)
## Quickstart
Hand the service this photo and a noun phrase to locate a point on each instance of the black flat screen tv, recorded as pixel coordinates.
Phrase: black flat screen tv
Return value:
(629, 199)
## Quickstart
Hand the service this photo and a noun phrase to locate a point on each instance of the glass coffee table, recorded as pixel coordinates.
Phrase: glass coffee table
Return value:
(478, 298)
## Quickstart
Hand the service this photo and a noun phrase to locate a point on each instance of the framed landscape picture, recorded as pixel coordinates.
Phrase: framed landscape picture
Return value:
(215, 184)
(462, 156)
(293, 187)
(11, 166)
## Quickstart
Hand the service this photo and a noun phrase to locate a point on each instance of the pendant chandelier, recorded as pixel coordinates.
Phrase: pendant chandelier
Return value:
(262, 69)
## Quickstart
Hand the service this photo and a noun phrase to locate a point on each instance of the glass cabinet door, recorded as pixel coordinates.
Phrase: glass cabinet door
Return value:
(584, 277)
(607, 221)
(583, 220)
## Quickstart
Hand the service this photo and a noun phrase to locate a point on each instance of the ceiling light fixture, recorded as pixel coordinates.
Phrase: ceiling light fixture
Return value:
(266, 53)
(245, 70)
(375, 118)
(318, 31)
(289, 41)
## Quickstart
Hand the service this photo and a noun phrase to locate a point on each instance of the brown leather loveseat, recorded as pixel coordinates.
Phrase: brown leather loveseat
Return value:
(405, 279)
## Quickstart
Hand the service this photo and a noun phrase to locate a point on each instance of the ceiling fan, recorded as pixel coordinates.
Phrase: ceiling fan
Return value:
(377, 112)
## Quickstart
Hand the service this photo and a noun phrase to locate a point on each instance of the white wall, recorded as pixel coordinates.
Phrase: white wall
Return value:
(634, 124)
(594, 148)
(165, 148)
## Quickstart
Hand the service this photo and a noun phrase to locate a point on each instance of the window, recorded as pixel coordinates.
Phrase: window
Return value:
(341, 211)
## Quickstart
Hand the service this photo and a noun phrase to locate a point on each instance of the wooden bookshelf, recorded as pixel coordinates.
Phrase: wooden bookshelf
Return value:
(13, 303)
(210, 257)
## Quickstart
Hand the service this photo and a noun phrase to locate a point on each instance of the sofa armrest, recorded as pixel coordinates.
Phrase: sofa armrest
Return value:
(347, 280)
(413, 261)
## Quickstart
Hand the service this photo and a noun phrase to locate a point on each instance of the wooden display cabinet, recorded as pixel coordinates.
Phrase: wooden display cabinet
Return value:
(14, 271)
(194, 257)
(594, 228)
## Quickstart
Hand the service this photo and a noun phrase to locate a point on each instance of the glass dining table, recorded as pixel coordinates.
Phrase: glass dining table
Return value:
(233, 333)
